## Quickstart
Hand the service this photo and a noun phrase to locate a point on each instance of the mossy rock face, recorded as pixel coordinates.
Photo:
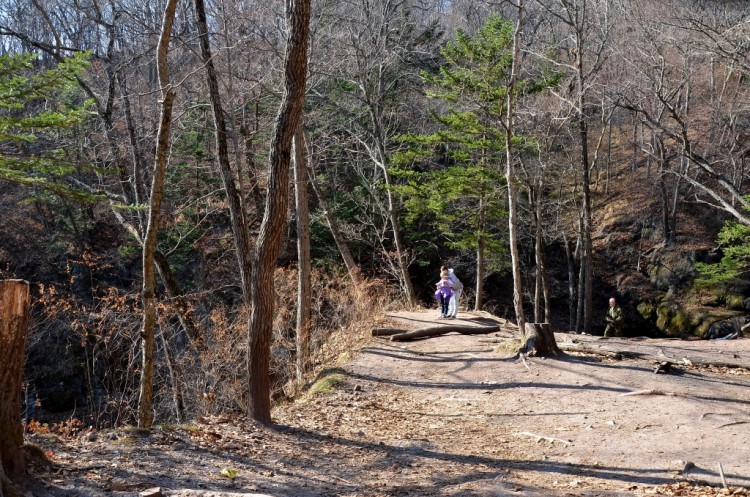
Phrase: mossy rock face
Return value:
(701, 330)
(679, 325)
(663, 316)
(673, 321)
(732, 294)
(735, 301)
(647, 311)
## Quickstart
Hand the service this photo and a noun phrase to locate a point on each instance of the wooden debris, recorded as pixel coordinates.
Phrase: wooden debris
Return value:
(431, 331)
(584, 349)
(706, 414)
(721, 474)
(733, 424)
(539, 438)
(647, 392)
(664, 367)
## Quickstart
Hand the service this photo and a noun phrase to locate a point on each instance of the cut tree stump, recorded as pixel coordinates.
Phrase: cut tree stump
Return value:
(14, 324)
(539, 340)
(431, 331)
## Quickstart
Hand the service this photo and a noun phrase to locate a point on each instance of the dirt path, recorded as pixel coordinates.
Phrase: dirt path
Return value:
(452, 416)
(570, 422)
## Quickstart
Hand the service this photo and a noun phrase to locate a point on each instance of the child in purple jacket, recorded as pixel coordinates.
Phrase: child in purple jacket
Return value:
(444, 293)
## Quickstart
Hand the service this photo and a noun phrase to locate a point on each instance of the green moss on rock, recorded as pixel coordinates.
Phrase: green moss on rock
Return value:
(646, 310)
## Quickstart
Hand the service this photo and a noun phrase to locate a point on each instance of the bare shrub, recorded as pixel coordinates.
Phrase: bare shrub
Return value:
(341, 313)
(217, 373)
(211, 376)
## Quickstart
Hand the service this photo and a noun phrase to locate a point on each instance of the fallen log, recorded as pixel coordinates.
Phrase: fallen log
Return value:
(611, 350)
(431, 331)
(611, 354)
(384, 332)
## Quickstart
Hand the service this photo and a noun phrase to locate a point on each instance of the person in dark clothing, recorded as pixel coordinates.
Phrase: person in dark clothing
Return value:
(615, 319)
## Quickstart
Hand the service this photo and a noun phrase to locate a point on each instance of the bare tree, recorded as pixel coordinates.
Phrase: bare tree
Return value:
(304, 295)
(588, 24)
(711, 146)
(145, 402)
(274, 217)
(511, 173)
(373, 45)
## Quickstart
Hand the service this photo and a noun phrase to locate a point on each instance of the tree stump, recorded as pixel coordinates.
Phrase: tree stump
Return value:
(539, 340)
(14, 324)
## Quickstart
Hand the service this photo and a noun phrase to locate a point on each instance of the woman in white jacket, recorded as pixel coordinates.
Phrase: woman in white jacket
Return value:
(457, 288)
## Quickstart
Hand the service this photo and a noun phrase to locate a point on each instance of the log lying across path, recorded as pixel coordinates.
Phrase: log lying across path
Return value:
(400, 335)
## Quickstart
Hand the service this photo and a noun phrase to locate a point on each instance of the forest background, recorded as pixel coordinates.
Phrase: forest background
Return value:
(628, 132)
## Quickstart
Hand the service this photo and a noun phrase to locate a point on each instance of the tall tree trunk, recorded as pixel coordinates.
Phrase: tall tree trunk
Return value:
(14, 325)
(538, 255)
(609, 150)
(545, 286)
(571, 284)
(586, 260)
(274, 217)
(138, 184)
(581, 277)
(676, 199)
(304, 296)
(398, 238)
(145, 401)
(663, 191)
(511, 176)
(237, 217)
